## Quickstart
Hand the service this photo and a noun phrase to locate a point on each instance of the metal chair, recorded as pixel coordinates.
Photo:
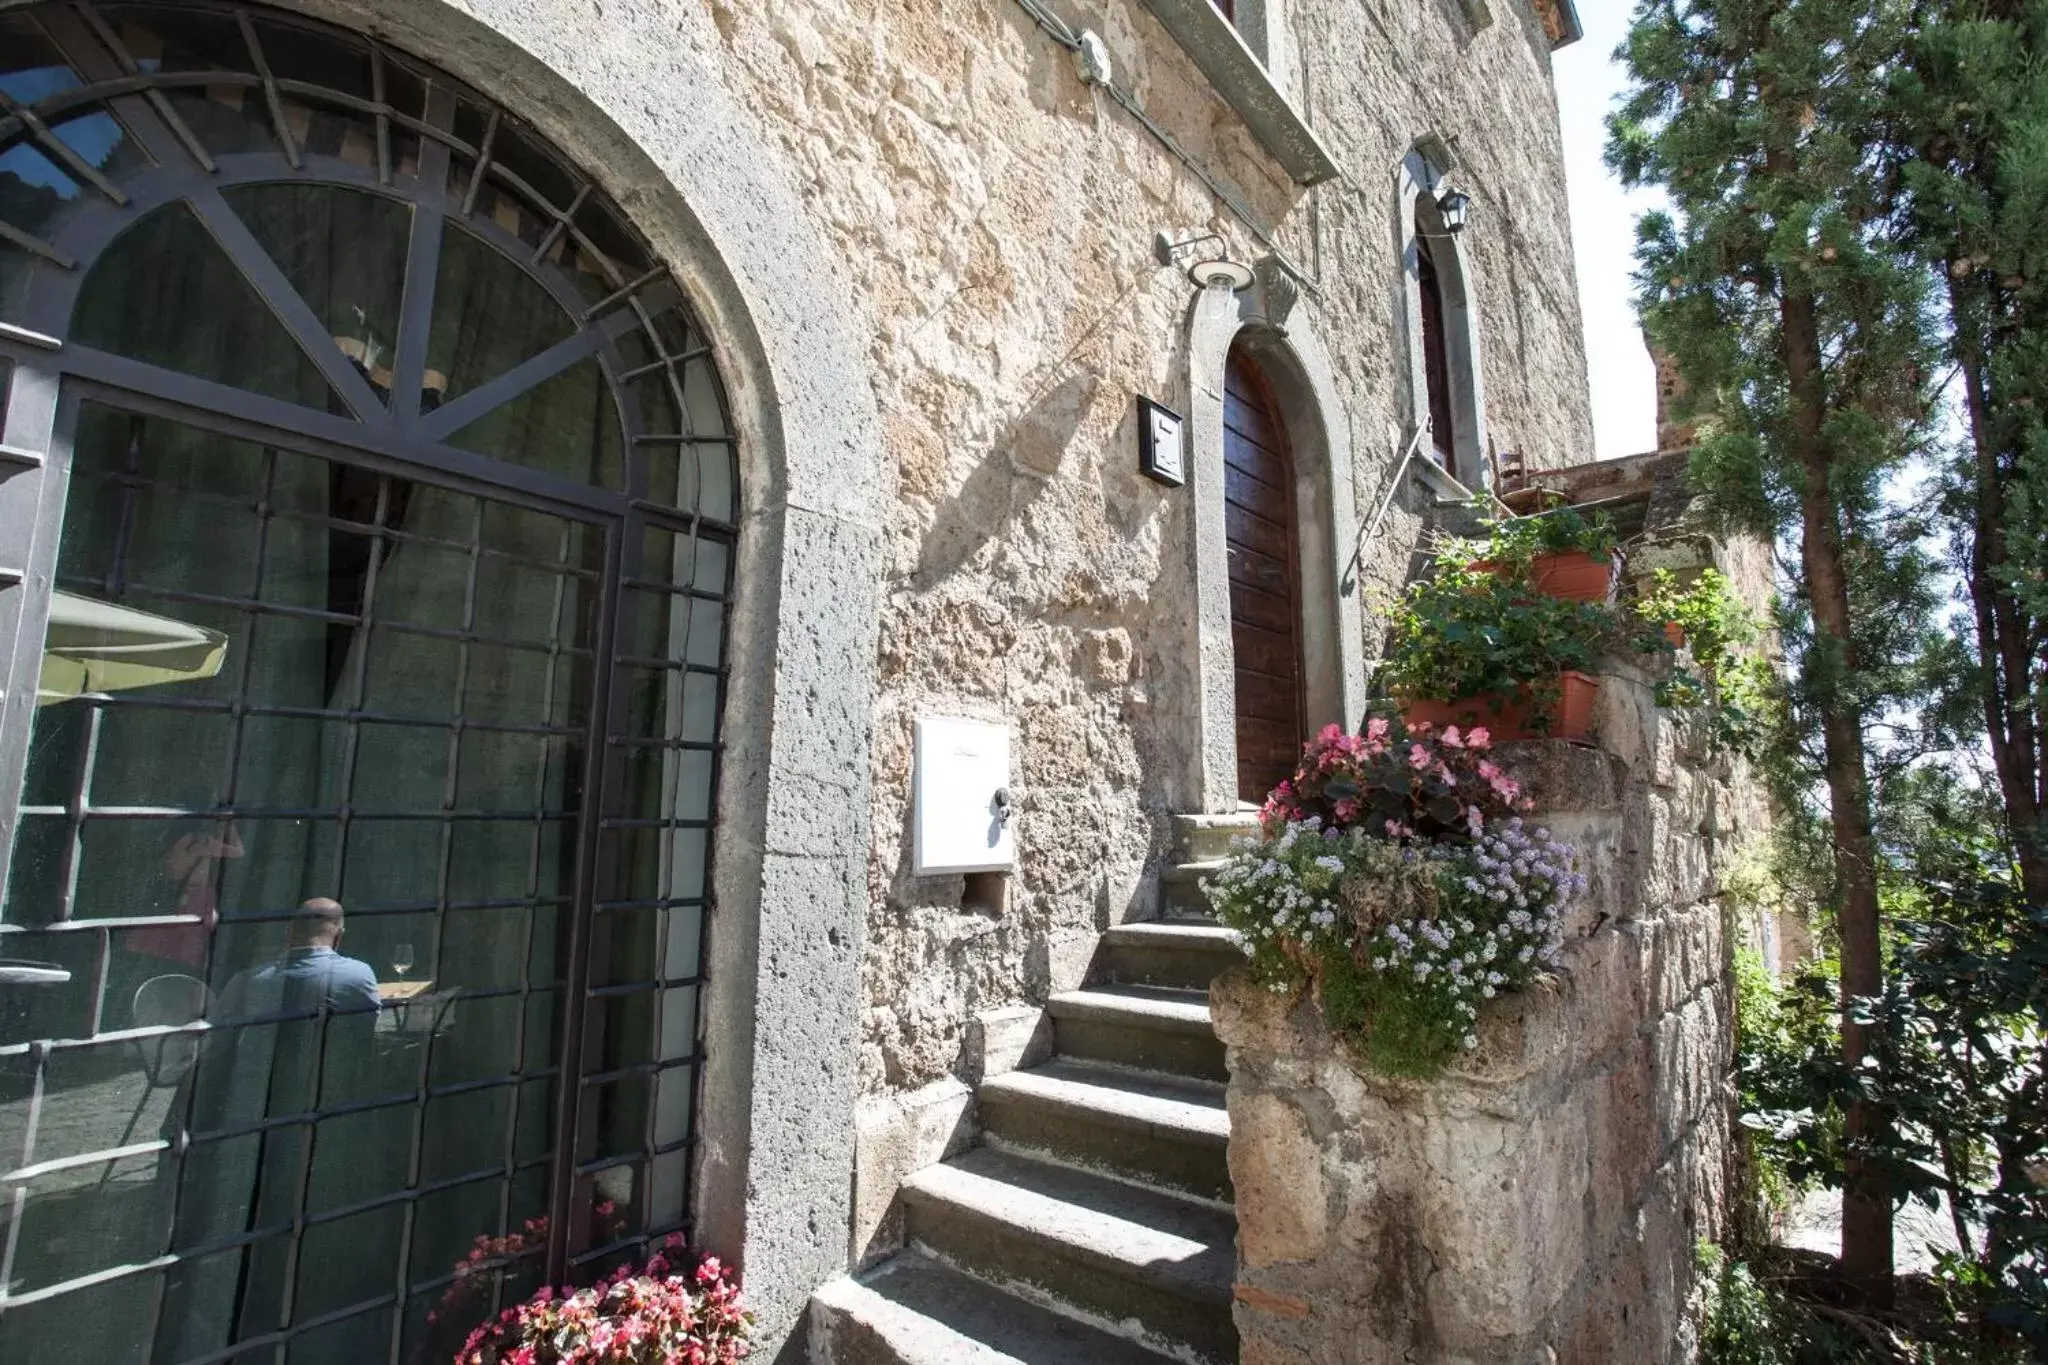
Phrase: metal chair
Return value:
(170, 1001)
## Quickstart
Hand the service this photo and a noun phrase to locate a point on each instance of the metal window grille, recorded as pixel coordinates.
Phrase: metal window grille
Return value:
(117, 112)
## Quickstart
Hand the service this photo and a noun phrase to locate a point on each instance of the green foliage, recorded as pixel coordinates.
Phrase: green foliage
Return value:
(1729, 683)
(1467, 633)
(1787, 1075)
(1970, 99)
(1958, 1054)
(1403, 942)
(1771, 136)
(1516, 542)
(1771, 1311)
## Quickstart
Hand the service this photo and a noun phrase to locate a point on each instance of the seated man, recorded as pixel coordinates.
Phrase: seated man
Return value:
(289, 1037)
(312, 973)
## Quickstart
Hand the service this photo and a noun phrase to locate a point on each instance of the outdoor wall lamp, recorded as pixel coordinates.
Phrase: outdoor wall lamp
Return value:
(1456, 206)
(1219, 269)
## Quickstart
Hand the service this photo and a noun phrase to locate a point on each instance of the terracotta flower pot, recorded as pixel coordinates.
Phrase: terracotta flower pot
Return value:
(1574, 575)
(1514, 717)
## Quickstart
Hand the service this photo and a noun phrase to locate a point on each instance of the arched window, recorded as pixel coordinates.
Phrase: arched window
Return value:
(1436, 360)
(1444, 375)
(368, 506)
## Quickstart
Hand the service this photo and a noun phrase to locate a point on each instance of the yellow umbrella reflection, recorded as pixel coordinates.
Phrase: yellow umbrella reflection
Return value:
(100, 647)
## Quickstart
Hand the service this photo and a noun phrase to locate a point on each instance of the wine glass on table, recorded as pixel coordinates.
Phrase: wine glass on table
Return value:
(402, 960)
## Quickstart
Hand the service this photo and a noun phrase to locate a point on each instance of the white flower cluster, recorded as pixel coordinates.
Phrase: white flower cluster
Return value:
(1284, 889)
(1498, 925)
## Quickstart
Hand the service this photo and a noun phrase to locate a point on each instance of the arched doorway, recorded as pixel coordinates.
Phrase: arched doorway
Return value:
(1263, 543)
(360, 745)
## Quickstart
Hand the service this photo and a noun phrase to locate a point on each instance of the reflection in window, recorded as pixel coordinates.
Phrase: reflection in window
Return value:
(317, 846)
(344, 252)
(331, 802)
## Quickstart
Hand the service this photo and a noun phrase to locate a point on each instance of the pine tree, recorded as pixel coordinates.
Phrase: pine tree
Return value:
(1971, 103)
(1801, 330)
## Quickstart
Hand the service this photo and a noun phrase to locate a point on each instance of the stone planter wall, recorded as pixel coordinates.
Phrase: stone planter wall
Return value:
(1541, 1202)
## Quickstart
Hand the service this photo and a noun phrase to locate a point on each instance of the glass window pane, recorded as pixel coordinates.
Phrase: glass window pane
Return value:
(389, 697)
(567, 426)
(488, 316)
(34, 190)
(166, 293)
(344, 251)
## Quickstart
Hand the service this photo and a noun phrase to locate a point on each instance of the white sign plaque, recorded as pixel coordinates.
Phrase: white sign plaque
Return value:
(962, 815)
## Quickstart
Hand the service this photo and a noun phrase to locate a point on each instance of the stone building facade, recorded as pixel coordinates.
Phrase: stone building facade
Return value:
(929, 255)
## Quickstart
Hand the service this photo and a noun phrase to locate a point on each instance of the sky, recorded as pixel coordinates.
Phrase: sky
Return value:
(1603, 235)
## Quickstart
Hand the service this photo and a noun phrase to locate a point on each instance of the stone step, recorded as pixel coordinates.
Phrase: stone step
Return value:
(1204, 837)
(1146, 1027)
(1180, 889)
(1163, 1130)
(1186, 953)
(912, 1310)
(1114, 1251)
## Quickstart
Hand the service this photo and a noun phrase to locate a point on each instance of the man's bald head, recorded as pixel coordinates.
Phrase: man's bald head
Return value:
(318, 924)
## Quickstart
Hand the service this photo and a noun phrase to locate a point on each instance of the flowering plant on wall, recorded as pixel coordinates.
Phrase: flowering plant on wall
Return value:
(1414, 782)
(1403, 924)
(668, 1312)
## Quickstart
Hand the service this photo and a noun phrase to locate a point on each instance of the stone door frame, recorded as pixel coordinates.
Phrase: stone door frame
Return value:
(1298, 370)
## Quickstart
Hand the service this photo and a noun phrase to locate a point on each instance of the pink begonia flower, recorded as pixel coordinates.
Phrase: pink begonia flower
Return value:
(1330, 733)
(1477, 738)
(1450, 738)
(1488, 769)
(1418, 757)
(1376, 728)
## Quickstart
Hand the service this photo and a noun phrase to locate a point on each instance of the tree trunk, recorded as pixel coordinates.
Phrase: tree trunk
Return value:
(2002, 625)
(1866, 1196)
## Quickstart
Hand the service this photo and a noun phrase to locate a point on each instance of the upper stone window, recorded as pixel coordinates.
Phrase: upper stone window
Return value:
(1444, 389)
(1237, 45)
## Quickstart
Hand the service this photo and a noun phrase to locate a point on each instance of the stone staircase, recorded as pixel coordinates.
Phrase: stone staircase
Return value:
(1093, 1223)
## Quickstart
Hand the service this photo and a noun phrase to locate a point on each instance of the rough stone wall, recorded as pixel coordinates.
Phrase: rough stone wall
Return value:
(1540, 1203)
(994, 217)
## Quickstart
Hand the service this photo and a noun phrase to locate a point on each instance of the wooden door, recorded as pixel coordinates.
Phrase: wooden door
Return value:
(1265, 597)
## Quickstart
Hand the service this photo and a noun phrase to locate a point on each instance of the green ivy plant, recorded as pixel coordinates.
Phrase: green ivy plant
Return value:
(1727, 682)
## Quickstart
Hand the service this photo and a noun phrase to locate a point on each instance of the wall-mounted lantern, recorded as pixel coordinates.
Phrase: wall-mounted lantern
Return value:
(1456, 206)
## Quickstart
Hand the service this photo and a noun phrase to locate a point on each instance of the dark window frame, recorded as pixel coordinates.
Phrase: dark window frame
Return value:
(44, 378)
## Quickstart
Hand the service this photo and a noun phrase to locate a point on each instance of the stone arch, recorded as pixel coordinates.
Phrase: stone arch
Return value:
(1297, 368)
(1418, 181)
(708, 190)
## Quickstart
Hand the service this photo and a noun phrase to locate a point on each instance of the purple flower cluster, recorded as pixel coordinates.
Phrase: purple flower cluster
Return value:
(1498, 924)
(1281, 892)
